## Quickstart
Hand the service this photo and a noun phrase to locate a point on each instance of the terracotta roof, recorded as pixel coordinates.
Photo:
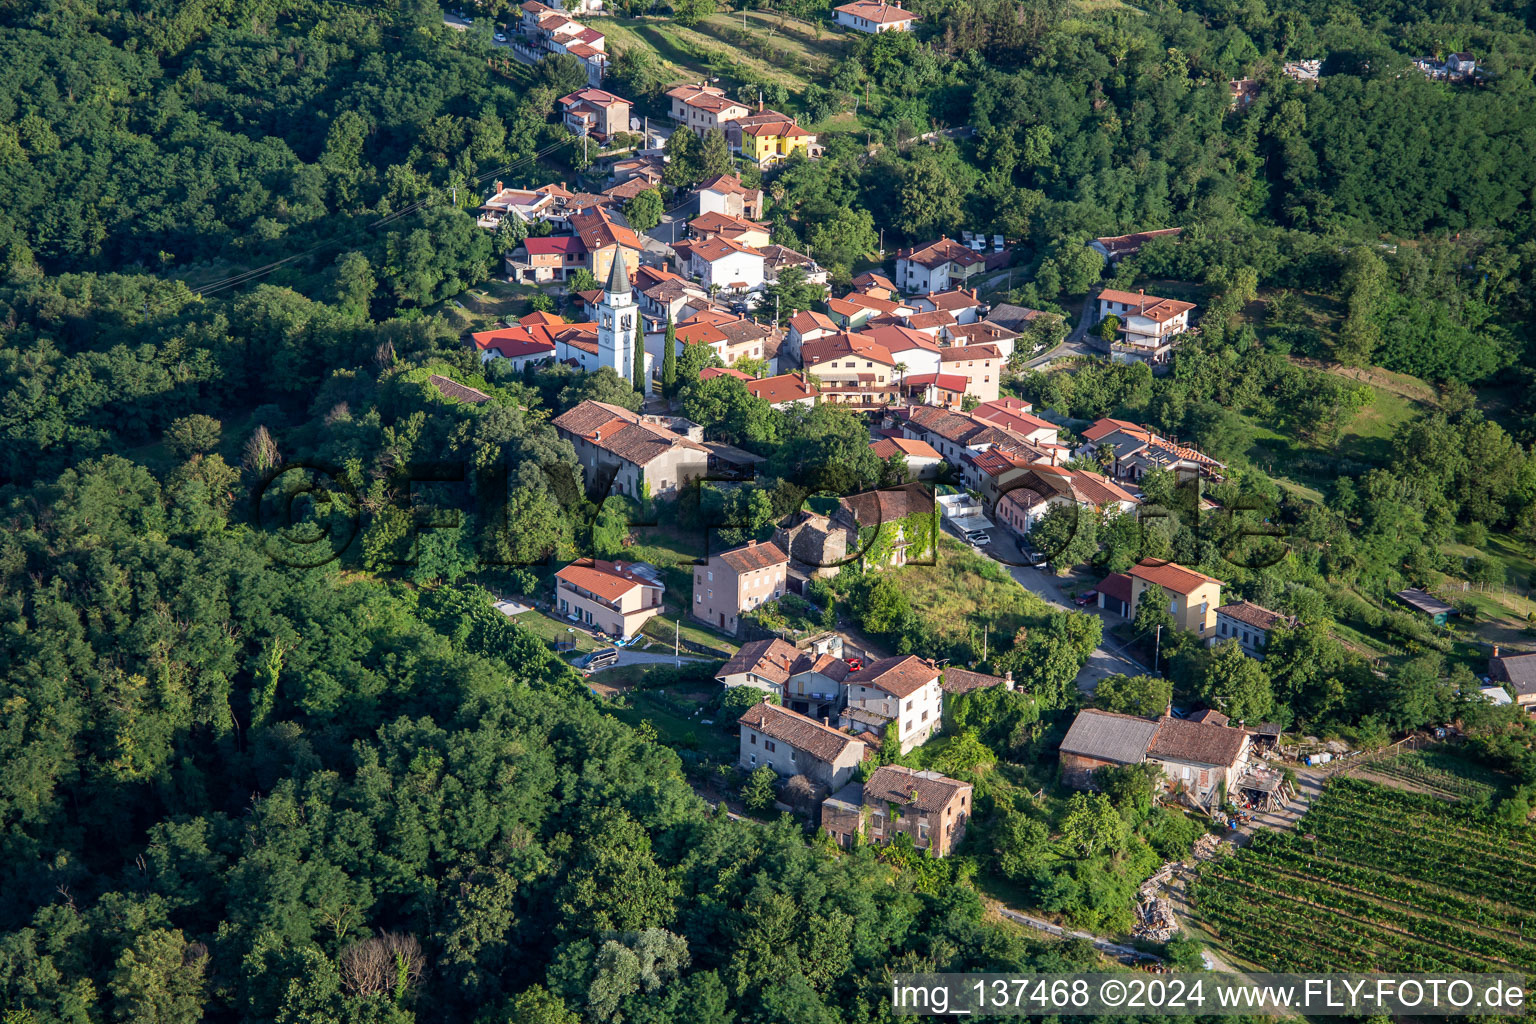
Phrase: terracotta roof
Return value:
(717, 222)
(705, 97)
(936, 254)
(596, 97)
(955, 298)
(621, 432)
(1149, 306)
(769, 658)
(879, 13)
(599, 230)
(888, 446)
(1178, 739)
(870, 278)
(947, 381)
(921, 321)
(449, 388)
(900, 676)
(711, 372)
(753, 555)
(629, 189)
(1209, 716)
(727, 185)
(770, 124)
(1253, 615)
(956, 427)
(719, 247)
(1116, 585)
(1170, 575)
(840, 345)
(786, 387)
(1130, 245)
(896, 338)
(805, 734)
(1109, 736)
(608, 580)
(864, 300)
(1015, 416)
(872, 508)
(829, 665)
(555, 245)
(977, 333)
(957, 353)
(512, 343)
(923, 792)
(808, 320)
(962, 680)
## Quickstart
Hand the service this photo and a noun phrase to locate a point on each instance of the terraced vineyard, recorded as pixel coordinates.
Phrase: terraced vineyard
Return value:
(1378, 879)
(1418, 770)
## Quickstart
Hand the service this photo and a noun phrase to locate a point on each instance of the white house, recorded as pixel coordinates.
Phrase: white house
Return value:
(917, 351)
(1148, 324)
(863, 16)
(903, 692)
(720, 261)
(936, 267)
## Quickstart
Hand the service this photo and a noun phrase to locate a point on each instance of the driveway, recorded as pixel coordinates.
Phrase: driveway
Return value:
(1109, 658)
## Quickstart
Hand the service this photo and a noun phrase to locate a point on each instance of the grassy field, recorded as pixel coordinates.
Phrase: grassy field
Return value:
(966, 591)
(692, 54)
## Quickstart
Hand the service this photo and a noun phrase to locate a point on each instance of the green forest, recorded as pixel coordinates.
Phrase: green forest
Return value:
(251, 774)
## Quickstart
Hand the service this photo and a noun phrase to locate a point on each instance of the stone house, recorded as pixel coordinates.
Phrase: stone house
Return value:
(931, 808)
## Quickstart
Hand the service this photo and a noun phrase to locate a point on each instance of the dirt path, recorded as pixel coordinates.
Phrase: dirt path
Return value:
(1375, 378)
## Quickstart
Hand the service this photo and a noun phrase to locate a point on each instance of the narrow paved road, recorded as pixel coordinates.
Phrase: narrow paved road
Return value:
(1109, 658)
(1105, 945)
(628, 657)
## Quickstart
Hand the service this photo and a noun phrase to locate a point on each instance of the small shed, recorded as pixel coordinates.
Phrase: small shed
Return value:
(1427, 603)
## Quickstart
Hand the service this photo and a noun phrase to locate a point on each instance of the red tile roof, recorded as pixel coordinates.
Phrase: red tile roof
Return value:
(555, 245)
(947, 381)
(900, 676)
(1149, 306)
(769, 658)
(879, 13)
(753, 555)
(608, 580)
(912, 449)
(786, 387)
(936, 254)
(711, 372)
(819, 741)
(1170, 575)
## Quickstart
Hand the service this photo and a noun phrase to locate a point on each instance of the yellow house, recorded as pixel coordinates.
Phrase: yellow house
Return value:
(1193, 596)
(769, 136)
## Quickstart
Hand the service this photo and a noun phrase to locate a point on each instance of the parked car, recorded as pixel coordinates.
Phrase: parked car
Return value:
(977, 537)
(600, 658)
(1085, 598)
(501, 37)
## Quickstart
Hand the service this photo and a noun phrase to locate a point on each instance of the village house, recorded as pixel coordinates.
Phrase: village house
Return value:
(1034, 492)
(784, 391)
(552, 31)
(721, 263)
(980, 365)
(1130, 450)
(1118, 247)
(899, 693)
(923, 463)
(545, 260)
(604, 235)
(663, 295)
(852, 370)
(933, 324)
(769, 137)
(885, 513)
(610, 597)
(703, 106)
(527, 205)
(964, 307)
(1198, 759)
(1148, 324)
(936, 267)
(1202, 760)
(957, 682)
(736, 582)
(595, 112)
(792, 744)
(912, 350)
(1241, 92)
(1193, 596)
(1016, 415)
(621, 194)
(930, 808)
(724, 193)
(806, 325)
(1250, 625)
(722, 225)
(762, 664)
(1102, 739)
(647, 167)
(815, 687)
(962, 437)
(1517, 673)
(779, 258)
(730, 336)
(941, 390)
(874, 17)
(983, 332)
(638, 453)
(1303, 70)
(873, 283)
(531, 342)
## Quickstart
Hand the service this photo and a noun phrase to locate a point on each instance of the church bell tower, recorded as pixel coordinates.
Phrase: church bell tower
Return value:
(616, 321)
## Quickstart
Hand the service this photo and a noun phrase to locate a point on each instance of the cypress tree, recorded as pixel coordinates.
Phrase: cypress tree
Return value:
(638, 378)
(669, 359)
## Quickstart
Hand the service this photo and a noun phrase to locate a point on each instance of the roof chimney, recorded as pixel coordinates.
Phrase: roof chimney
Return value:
(751, 543)
(1495, 651)
(496, 185)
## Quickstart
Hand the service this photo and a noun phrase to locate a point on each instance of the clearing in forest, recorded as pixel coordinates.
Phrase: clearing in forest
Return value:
(1379, 879)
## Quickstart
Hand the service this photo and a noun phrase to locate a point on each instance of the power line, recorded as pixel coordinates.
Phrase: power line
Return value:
(235, 280)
